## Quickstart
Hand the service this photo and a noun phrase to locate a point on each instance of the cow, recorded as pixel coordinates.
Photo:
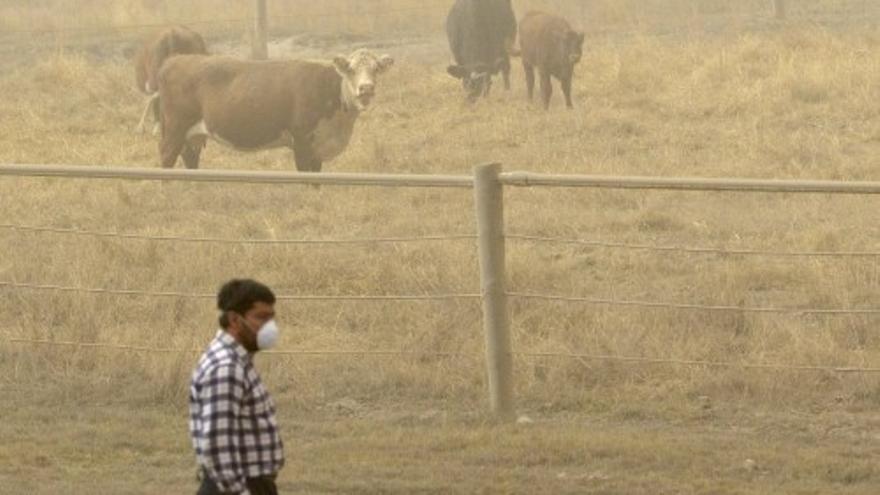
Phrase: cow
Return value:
(149, 58)
(310, 107)
(549, 43)
(481, 35)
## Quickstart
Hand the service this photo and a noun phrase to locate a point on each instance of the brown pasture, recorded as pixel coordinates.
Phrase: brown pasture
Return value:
(714, 91)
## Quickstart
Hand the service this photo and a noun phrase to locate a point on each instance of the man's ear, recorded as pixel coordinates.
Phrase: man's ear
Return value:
(342, 66)
(457, 71)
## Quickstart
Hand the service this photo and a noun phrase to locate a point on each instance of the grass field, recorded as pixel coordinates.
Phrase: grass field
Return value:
(752, 99)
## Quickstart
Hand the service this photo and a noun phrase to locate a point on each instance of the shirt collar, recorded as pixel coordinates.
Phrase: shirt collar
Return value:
(230, 342)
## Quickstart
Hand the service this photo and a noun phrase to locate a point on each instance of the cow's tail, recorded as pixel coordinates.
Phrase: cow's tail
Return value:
(157, 112)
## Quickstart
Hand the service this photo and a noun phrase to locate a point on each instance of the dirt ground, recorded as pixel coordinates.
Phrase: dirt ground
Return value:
(713, 98)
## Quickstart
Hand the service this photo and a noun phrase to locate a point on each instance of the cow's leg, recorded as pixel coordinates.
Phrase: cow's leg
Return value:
(157, 115)
(172, 143)
(192, 151)
(530, 78)
(546, 88)
(305, 158)
(152, 105)
(505, 73)
(565, 82)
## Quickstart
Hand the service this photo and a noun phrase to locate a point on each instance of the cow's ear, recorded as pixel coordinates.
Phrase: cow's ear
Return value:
(385, 62)
(457, 71)
(343, 67)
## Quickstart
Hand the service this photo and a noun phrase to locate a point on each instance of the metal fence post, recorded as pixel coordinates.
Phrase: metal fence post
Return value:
(489, 201)
(260, 42)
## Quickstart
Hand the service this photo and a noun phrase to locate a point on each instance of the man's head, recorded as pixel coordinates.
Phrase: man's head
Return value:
(245, 306)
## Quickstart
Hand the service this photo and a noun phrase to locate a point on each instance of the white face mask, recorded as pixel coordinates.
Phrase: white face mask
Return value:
(267, 336)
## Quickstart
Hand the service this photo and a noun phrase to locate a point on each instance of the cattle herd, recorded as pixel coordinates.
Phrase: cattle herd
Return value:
(311, 107)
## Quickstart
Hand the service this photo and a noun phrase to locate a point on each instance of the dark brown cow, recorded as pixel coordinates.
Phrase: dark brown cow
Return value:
(481, 34)
(150, 56)
(309, 107)
(549, 43)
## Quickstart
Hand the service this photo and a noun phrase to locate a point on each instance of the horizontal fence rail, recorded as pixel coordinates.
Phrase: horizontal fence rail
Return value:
(518, 179)
(527, 179)
(237, 176)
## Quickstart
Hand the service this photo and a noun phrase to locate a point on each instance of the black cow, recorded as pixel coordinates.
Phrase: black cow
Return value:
(481, 36)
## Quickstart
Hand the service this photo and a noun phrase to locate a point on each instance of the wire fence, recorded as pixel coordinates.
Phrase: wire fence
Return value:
(281, 297)
(147, 349)
(243, 21)
(692, 249)
(436, 297)
(183, 350)
(696, 307)
(216, 240)
(487, 236)
(859, 8)
(627, 28)
(439, 238)
(699, 363)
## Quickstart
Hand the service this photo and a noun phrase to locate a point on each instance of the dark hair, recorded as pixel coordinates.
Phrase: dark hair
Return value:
(240, 295)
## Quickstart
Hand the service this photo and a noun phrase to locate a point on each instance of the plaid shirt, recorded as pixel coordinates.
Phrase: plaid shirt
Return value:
(232, 418)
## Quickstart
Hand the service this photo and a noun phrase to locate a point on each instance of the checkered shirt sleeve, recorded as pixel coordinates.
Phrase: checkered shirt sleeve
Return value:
(232, 418)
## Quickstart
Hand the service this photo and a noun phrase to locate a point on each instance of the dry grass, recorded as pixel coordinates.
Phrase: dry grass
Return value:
(798, 102)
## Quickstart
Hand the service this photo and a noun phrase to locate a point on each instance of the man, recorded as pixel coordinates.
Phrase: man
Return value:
(232, 418)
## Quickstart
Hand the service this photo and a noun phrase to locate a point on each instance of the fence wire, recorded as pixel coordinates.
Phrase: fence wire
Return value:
(443, 238)
(699, 307)
(400, 353)
(694, 249)
(698, 363)
(182, 350)
(216, 240)
(454, 296)
(283, 297)
(95, 30)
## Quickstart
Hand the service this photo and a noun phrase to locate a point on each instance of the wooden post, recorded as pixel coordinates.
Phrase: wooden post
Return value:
(779, 9)
(260, 41)
(489, 201)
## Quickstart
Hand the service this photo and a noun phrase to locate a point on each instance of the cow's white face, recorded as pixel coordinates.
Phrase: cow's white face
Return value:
(359, 73)
(476, 79)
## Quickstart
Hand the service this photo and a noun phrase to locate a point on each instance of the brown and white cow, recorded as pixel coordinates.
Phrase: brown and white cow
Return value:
(310, 107)
(149, 58)
(549, 44)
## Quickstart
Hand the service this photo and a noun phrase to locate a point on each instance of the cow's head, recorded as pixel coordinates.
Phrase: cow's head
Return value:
(359, 71)
(175, 41)
(476, 79)
(571, 44)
